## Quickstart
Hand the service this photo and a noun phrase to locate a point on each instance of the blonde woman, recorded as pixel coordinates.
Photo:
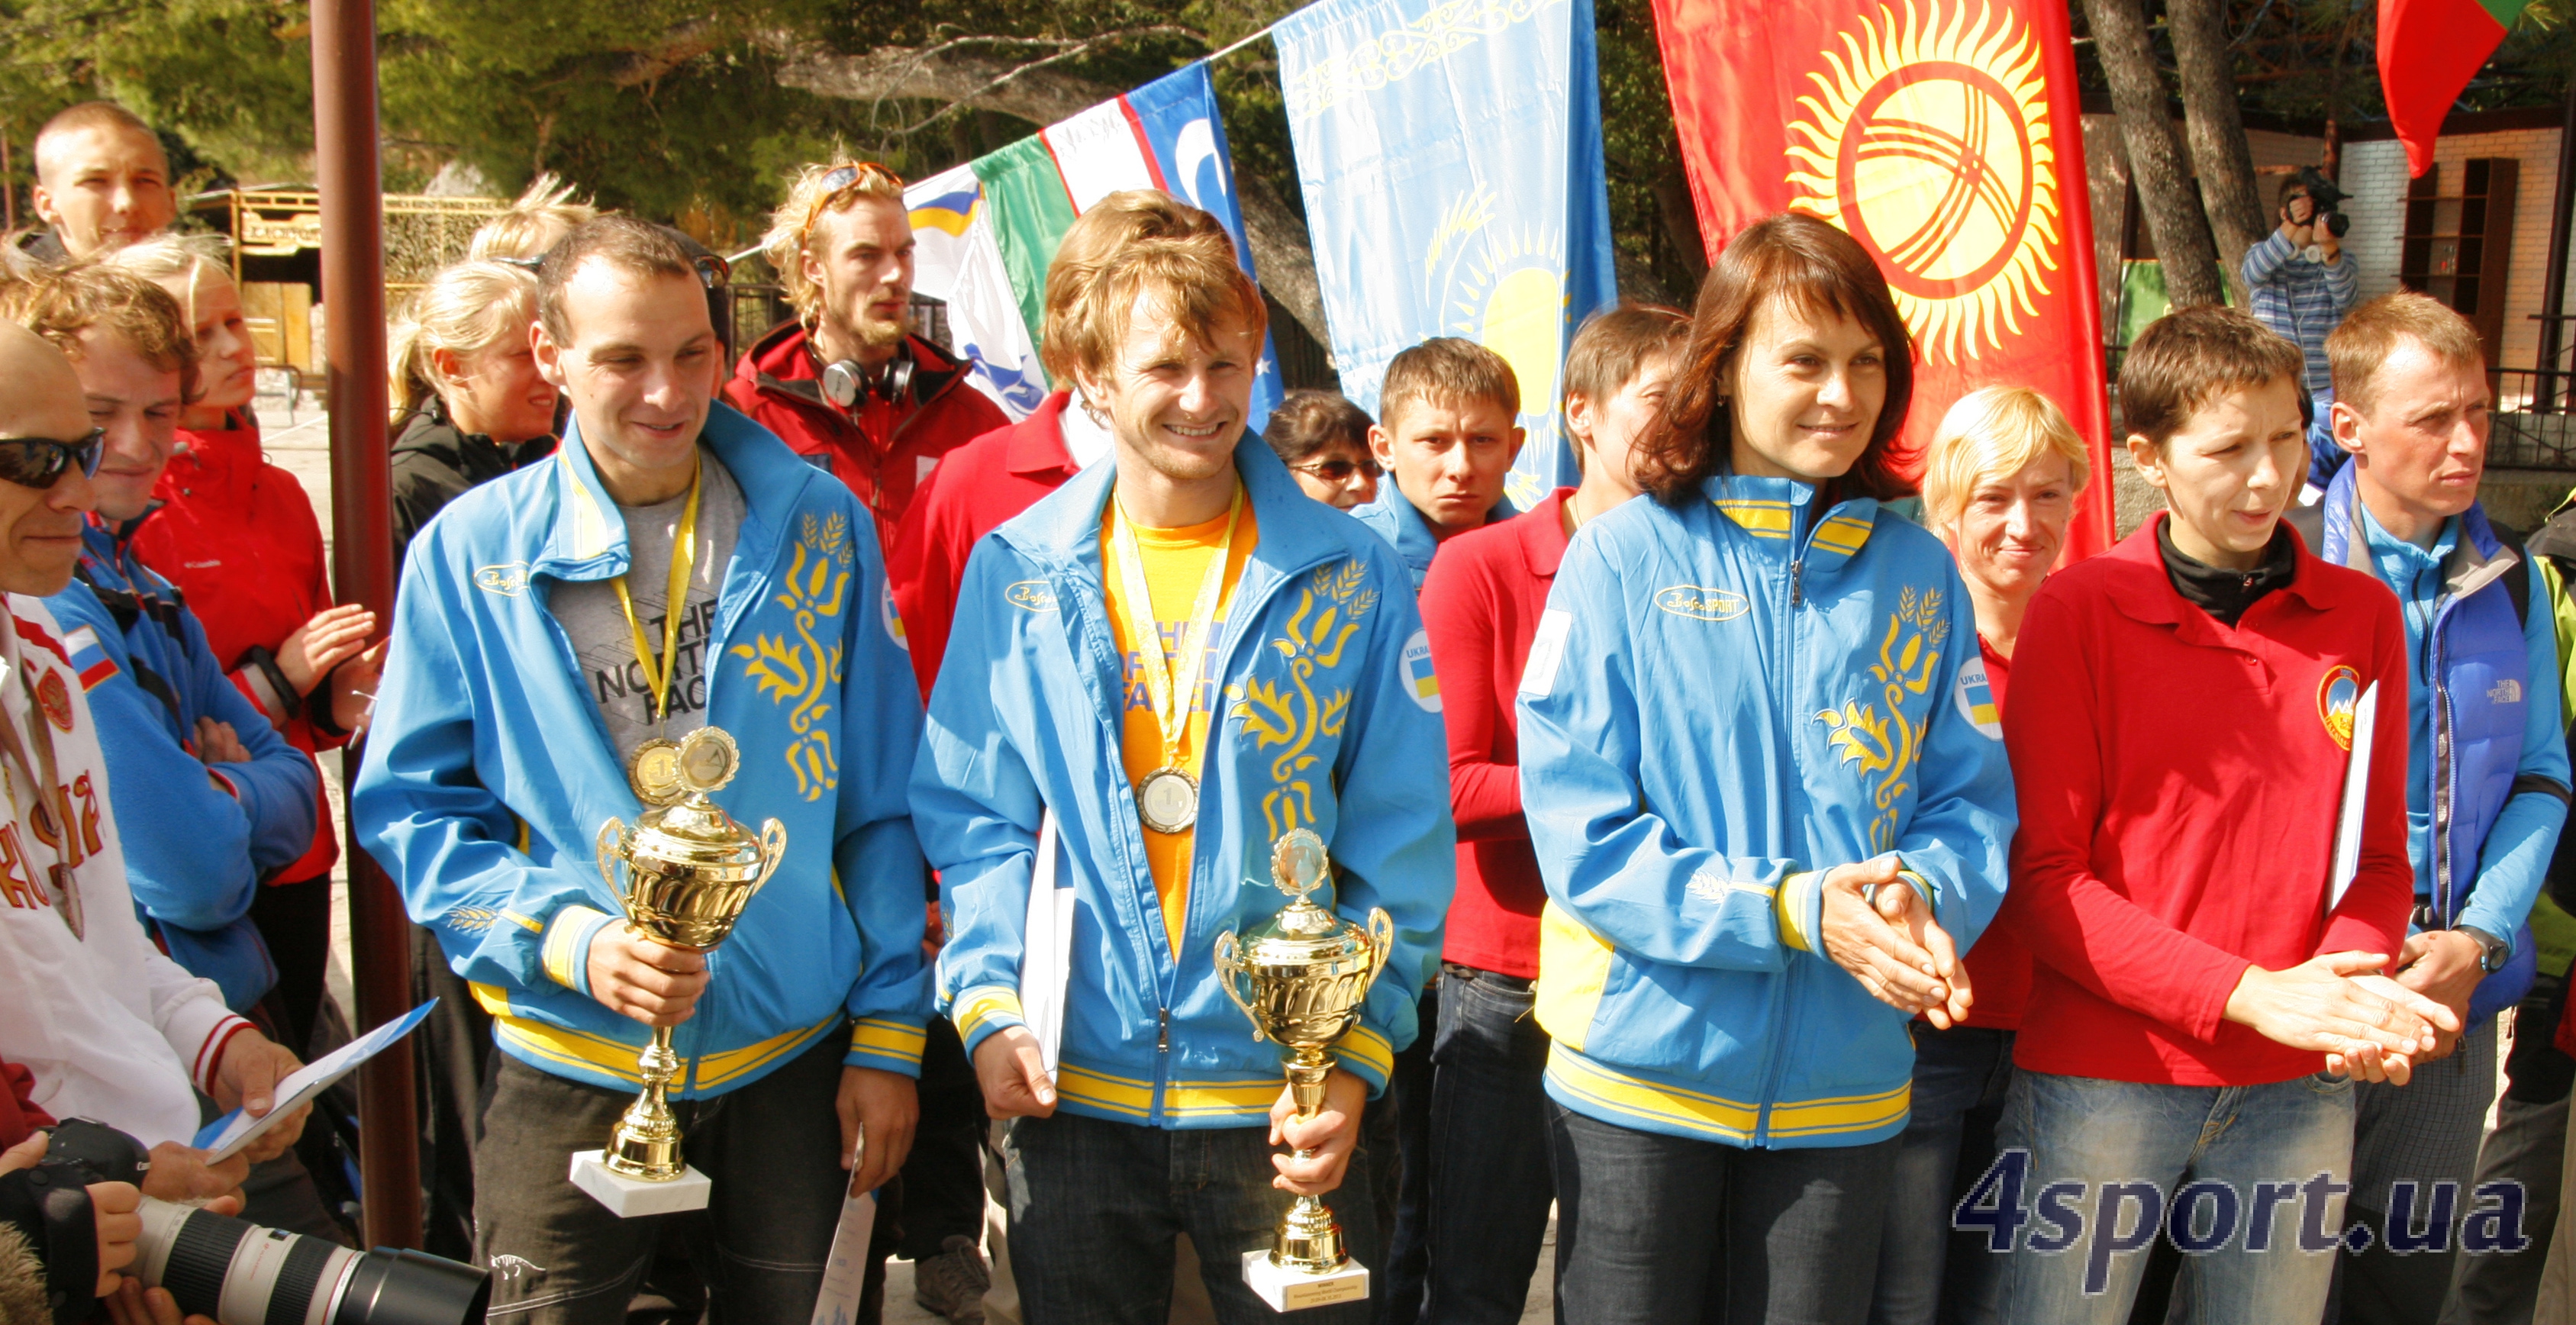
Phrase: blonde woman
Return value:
(469, 403)
(1999, 486)
(546, 212)
(237, 535)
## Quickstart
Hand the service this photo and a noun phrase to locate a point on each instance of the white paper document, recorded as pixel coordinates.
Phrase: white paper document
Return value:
(2356, 792)
(845, 1271)
(1046, 949)
(226, 1136)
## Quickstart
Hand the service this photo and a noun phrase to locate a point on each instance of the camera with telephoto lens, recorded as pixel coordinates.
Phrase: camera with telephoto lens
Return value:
(241, 1274)
(2325, 201)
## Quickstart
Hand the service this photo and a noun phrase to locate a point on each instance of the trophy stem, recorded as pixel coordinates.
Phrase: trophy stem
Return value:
(646, 1142)
(1310, 1239)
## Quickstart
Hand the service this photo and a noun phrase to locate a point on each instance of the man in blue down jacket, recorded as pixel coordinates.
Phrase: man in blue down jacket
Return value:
(524, 672)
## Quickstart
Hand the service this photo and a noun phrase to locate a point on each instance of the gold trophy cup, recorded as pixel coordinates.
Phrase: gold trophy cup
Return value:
(1302, 978)
(690, 871)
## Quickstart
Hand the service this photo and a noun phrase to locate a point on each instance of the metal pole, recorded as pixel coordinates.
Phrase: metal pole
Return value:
(353, 288)
(2553, 290)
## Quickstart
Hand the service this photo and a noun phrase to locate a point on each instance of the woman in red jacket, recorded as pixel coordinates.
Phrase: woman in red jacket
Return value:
(238, 536)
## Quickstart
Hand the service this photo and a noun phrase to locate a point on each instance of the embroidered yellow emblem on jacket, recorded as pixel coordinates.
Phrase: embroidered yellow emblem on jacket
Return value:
(1291, 718)
(1885, 749)
(802, 671)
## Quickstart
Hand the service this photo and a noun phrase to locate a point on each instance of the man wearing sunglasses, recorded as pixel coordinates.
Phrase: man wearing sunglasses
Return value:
(112, 1028)
(845, 384)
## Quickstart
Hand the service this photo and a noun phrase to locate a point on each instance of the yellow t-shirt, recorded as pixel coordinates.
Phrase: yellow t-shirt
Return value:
(1175, 564)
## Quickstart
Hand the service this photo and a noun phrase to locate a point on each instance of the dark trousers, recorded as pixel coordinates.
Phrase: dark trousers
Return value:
(1408, 1254)
(943, 1179)
(451, 1057)
(2528, 1146)
(1666, 1230)
(1095, 1206)
(294, 920)
(1491, 1182)
(772, 1149)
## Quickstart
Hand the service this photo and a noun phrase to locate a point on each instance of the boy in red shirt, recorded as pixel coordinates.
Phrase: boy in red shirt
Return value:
(2183, 716)
(1490, 1179)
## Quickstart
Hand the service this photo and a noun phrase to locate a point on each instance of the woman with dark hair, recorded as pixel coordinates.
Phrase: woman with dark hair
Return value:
(1323, 439)
(1767, 812)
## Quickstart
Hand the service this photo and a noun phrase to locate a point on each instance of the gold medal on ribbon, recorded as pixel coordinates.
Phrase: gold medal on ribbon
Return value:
(1167, 801)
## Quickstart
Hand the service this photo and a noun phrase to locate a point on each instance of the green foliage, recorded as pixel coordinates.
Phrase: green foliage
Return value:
(674, 110)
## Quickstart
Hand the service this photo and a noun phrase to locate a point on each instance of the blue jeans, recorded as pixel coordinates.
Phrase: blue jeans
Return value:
(2248, 1180)
(1490, 1182)
(1960, 1079)
(1095, 1206)
(1667, 1230)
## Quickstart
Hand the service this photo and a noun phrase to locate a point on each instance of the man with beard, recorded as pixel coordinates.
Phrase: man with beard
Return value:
(845, 385)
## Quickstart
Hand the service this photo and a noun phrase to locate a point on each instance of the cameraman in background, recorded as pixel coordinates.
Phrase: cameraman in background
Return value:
(2301, 287)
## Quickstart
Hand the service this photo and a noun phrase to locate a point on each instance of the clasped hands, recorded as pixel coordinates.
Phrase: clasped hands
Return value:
(1882, 931)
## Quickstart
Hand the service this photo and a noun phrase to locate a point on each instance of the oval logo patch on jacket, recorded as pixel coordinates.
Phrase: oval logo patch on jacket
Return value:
(1976, 696)
(1701, 603)
(509, 579)
(1420, 682)
(1030, 595)
(2338, 696)
(893, 619)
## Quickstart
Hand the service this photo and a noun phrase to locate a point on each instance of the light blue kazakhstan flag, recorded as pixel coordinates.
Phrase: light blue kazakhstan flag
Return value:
(1450, 156)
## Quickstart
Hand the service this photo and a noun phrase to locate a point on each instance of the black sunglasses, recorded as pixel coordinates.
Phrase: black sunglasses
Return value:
(35, 462)
(1338, 470)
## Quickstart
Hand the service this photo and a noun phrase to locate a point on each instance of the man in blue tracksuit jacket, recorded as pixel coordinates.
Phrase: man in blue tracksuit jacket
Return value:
(2487, 773)
(200, 831)
(1319, 711)
(513, 693)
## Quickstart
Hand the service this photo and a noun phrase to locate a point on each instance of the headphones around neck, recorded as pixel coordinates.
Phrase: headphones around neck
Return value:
(846, 384)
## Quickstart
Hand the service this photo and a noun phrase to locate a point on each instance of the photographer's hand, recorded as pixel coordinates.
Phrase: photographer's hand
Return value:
(131, 1305)
(179, 1173)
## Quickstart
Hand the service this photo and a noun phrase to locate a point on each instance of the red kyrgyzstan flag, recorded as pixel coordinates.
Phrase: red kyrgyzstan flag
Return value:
(1946, 136)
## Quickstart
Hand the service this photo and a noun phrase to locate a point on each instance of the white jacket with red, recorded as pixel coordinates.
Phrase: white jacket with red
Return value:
(112, 1029)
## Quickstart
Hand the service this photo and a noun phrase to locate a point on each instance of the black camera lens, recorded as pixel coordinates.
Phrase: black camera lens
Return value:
(391, 1287)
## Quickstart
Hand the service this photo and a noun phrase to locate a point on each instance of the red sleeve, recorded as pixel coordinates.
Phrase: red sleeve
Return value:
(2067, 916)
(923, 567)
(1459, 611)
(2372, 916)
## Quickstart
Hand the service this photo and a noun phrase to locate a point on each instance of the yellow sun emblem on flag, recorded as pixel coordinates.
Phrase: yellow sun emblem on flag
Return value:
(1930, 144)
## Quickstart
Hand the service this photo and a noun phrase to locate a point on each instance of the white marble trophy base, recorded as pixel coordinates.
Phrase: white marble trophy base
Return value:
(630, 1198)
(1289, 1290)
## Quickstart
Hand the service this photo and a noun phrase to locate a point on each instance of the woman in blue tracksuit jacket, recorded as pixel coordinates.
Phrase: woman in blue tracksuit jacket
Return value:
(1747, 695)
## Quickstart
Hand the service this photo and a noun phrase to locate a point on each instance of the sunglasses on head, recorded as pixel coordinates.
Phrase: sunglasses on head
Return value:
(837, 183)
(1339, 470)
(35, 462)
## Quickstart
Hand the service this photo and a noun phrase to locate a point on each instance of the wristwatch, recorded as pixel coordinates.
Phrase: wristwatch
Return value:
(2493, 952)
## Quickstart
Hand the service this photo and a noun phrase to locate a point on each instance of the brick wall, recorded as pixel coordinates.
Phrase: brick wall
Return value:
(2375, 173)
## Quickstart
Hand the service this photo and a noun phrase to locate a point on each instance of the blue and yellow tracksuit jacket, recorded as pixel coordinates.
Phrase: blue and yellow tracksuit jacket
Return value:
(1723, 701)
(1328, 719)
(489, 771)
(199, 839)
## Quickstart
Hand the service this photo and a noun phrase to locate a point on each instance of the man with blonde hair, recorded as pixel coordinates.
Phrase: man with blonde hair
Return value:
(846, 384)
(1194, 562)
(2487, 772)
(102, 182)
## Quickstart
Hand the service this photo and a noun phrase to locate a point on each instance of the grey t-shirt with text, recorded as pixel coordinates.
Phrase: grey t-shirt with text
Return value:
(606, 648)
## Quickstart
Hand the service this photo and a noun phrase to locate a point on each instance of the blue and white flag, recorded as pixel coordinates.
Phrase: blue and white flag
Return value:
(1450, 156)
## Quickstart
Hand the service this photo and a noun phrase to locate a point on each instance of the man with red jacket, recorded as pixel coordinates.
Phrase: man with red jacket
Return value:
(845, 385)
(1004, 472)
